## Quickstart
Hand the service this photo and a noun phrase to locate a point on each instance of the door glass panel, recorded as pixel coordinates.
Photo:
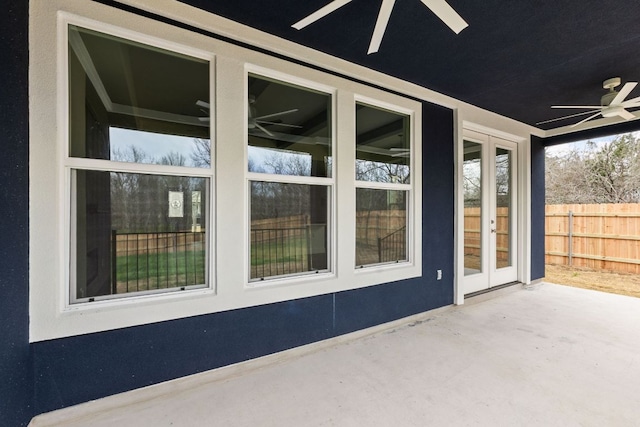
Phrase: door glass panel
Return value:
(472, 178)
(503, 208)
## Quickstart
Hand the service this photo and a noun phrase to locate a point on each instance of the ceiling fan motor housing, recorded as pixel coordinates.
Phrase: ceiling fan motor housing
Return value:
(606, 99)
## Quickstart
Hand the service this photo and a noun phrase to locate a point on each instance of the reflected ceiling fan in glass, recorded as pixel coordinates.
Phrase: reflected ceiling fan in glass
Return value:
(254, 122)
(258, 122)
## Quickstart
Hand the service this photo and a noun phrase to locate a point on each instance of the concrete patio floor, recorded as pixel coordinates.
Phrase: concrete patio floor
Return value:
(548, 355)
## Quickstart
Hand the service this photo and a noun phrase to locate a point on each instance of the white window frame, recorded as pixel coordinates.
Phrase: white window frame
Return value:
(51, 315)
(71, 164)
(407, 188)
(329, 182)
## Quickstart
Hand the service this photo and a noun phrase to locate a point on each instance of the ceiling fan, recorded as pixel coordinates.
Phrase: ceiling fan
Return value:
(612, 103)
(440, 7)
(253, 122)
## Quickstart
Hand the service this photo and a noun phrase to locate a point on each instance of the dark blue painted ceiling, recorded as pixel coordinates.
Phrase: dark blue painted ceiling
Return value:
(516, 58)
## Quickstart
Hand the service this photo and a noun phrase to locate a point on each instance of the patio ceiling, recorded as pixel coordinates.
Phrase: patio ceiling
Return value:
(515, 58)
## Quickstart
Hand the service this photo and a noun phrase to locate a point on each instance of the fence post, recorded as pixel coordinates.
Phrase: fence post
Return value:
(309, 247)
(570, 238)
(114, 262)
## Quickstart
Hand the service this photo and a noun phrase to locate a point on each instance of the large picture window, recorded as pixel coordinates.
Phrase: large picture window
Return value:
(383, 166)
(174, 174)
(290, 177)
(139, 165)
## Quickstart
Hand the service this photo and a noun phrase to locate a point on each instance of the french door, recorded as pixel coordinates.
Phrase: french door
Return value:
(490, 211)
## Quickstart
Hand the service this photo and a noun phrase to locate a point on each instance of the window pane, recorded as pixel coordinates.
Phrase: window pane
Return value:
(472, 183)
(503, 208)
(289, 229)
(382, 145)
(136, 103)
(136, 232)
(289, 129)
(381, 226)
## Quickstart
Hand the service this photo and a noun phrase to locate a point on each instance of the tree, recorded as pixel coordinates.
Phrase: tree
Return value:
(201, 153)
(608, 174)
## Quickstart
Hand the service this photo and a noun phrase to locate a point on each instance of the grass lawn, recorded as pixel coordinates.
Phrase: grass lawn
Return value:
(599, 280)
(160, 270)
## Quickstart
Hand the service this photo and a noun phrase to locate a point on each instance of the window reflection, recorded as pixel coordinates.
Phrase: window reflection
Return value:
(383, 152)
(289, 229)
(381, 226)
(289, 129)
(136, 103)
(138, 232)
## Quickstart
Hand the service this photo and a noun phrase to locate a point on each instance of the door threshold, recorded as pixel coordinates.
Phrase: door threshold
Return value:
(493, 289)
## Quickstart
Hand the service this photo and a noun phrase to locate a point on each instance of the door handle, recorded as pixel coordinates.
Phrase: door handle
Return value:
(493, 230)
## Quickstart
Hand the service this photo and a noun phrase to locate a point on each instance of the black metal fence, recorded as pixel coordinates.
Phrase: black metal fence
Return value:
(280, 251)
(393, 246)
(147, 261)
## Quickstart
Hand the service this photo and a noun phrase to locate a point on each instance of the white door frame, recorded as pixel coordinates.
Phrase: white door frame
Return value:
(520, 162)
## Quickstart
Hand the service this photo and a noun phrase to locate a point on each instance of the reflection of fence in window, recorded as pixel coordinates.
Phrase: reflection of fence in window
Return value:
(148, 261)
(392, 247)
(280, 251)
(286, 245)
(381, 236)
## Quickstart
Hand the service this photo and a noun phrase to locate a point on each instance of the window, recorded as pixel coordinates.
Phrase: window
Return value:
(290, 178)
(139, 164)
(383, 182)
(173, 174)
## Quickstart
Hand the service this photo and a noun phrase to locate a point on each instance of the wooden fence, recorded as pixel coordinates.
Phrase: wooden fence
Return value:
(598, 236)
(472, 237)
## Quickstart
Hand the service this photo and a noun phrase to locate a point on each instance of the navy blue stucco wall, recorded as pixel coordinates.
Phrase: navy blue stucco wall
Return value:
(15, 362)
(537, 208)
(53, 374)
(73, 370)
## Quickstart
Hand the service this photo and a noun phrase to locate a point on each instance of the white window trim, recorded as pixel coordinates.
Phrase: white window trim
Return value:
(329, 182)
(51, 316)
(70, 163)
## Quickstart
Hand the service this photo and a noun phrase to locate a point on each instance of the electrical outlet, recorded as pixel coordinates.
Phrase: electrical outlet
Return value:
(438, 274)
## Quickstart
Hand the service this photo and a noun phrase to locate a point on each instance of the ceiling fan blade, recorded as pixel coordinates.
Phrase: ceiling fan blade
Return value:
(626, 114)
(203, 104)
(381, 25)
(577, 106)
(399, 149)
(281, 113)
(631, 102)
(204, 119)
(566, 117)
(263, 129)
(586, 120)
(320, 13)
(278, 124)
(624, 92)
(447, 14)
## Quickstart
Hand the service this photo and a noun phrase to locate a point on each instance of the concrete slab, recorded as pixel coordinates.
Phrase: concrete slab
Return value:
(549, 355)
